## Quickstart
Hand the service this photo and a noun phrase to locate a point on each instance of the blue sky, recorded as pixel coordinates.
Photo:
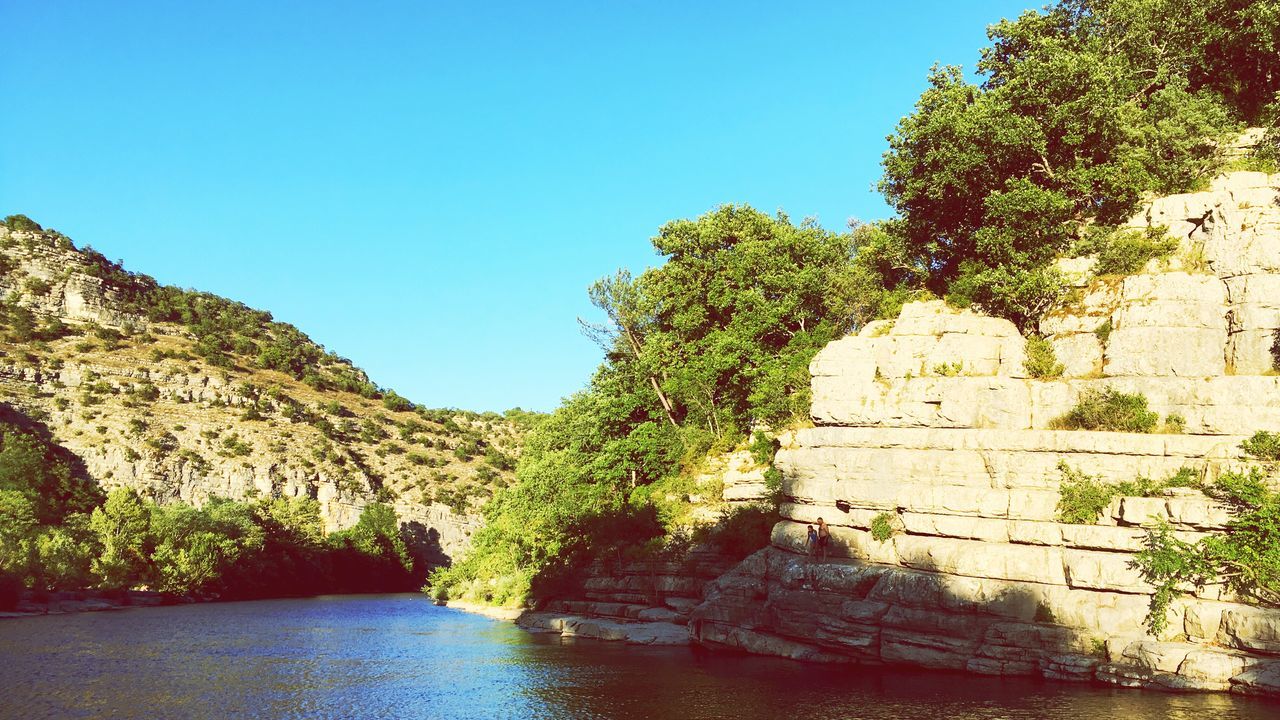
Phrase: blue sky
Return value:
(429, 188)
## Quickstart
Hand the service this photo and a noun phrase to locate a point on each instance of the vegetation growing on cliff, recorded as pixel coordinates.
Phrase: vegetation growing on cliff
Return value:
(160, 386)
(1082, 498)
(1042, 362)
(1244, 558)
(1110, 410)
(1081, 109)
(716, 340)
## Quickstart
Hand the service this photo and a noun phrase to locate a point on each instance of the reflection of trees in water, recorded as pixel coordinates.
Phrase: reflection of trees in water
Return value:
(593, 679)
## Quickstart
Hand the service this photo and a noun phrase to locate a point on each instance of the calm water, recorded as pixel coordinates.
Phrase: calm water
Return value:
(398, 656)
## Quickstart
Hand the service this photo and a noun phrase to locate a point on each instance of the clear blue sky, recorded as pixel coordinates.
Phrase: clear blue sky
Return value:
(428, 188)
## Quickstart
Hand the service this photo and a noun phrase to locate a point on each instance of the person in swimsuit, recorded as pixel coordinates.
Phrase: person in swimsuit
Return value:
(824, 539)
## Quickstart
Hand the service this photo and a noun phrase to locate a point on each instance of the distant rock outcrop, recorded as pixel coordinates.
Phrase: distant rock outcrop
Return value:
(142, 407)
(931, 426)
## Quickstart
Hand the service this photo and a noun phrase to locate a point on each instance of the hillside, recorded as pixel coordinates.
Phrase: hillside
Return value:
(188, 396)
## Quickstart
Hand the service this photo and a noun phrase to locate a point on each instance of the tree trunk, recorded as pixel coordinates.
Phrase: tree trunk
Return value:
(662, 397)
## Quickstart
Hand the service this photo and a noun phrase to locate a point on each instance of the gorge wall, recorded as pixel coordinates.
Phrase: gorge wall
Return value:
(932, 419)
(140, 407)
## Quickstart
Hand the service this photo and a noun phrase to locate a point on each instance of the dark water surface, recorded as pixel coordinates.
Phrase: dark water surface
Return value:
(398, 656)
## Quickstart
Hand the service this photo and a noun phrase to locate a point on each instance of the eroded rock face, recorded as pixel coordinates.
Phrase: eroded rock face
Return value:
(931, 423)
(187, 437)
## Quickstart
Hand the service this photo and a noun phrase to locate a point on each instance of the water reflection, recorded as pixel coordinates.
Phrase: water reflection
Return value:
(401, 657)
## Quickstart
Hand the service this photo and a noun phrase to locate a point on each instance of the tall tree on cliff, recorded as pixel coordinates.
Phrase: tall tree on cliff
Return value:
(1082, 109)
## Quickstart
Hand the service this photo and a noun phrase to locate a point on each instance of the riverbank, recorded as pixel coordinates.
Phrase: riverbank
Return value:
(34, 604)
(509, 614)
(64, 603)
(633, 631)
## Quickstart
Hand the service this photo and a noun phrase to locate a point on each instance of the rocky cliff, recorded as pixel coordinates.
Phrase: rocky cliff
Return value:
(146, 404)
(930, 424)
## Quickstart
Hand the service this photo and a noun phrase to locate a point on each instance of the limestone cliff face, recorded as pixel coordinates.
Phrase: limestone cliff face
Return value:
(142, 409)
(932, 420)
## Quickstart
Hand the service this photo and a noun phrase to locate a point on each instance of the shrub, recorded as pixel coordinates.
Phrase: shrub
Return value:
(1243, 558)
(1042, 362)
(1125, 252)
(37, 286)
(1083, 498)
(1109, 410)
(882, 526)
(21, 223)
(1263, 446)
(948, 369)
(1103, 331)
(762, 448)
(395, 403)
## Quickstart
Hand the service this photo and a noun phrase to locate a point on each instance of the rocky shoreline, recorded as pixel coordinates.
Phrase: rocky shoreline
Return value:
(65, 603)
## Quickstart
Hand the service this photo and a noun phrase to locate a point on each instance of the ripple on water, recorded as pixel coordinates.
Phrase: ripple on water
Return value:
(399, 656)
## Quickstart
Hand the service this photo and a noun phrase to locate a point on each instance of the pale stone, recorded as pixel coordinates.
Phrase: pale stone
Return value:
(976, 559)
(1076, 271)
(1151, 351)
(1249, 628)
(1261, 679)
(1079, 353)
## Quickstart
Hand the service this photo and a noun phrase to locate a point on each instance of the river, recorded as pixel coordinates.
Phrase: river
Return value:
(399, 656)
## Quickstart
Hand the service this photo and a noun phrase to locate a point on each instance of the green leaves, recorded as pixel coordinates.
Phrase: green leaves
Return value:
(1245, 558)
(1109, 410)
(1083, 109)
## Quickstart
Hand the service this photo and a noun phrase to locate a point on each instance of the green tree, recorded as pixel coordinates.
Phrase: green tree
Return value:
(18, 527)
(123, 528)
(65, 555)
(1082, 109)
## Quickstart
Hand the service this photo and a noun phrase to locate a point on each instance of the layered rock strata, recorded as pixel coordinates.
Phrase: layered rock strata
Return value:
(930, 426)
(644, 603)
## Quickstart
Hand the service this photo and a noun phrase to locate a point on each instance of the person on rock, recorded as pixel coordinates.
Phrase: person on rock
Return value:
(811, 542)
(824, 539)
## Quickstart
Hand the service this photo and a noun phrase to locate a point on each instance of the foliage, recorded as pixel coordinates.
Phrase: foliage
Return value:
(762, 448)
(1103, 331)
(1245, 558)
(1263, 446)
(58, 533)
(1081, 109)
(1082, 499)
(42, 473)
(1126, 251)
(395, 403)
(742, 531)
(883, 527)
(714, 341)
(21, 223)
(1042, 362)
(1109, 410)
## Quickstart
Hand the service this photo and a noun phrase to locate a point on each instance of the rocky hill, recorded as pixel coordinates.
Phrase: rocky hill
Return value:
(185, 396)
(940, 463)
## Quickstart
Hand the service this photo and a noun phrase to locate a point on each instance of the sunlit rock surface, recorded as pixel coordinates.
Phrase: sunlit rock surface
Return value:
(932, 420)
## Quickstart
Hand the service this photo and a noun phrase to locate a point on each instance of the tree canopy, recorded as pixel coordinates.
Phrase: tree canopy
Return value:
(1081, 110)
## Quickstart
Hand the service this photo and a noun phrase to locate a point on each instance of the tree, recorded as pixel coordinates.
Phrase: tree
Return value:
(17, 532)
(620, 300)
(1082, 109)
(123, 528)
